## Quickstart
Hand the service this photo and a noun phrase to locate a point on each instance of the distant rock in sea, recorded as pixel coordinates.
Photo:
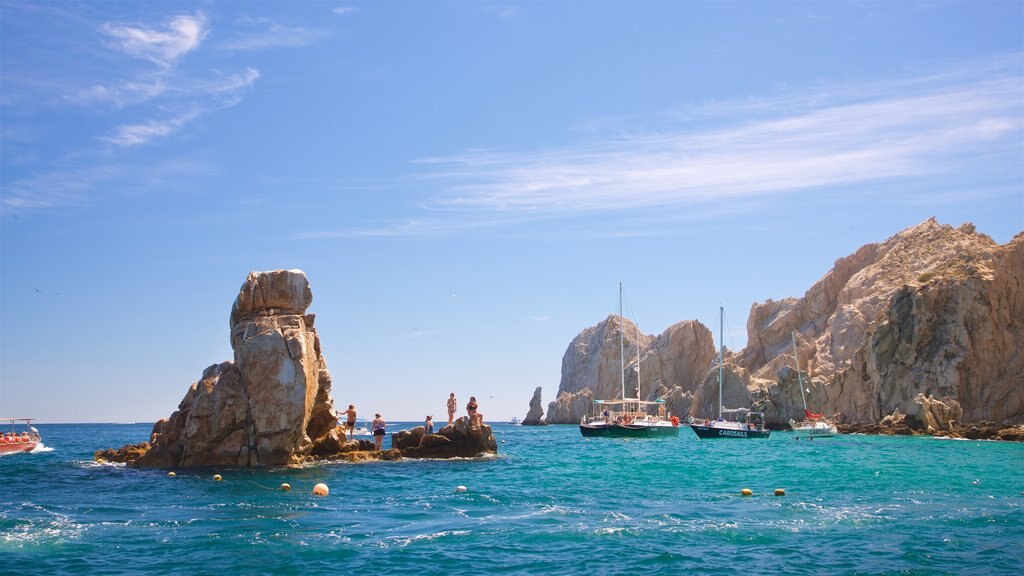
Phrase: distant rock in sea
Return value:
(928, 325)
(535, 417)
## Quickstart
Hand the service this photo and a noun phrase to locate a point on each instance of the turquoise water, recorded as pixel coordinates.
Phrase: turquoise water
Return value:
(552, 502)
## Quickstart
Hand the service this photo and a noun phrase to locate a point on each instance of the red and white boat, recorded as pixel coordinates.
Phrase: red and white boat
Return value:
(14, 440)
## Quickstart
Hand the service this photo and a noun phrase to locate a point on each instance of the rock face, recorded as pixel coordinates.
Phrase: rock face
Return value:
(671, 366)
(535, 417)
(929, 323)
(927, 326)
(272, 404)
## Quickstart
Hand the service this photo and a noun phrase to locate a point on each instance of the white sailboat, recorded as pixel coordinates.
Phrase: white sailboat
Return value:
(628, 417)
(746, 423)
(813, 425)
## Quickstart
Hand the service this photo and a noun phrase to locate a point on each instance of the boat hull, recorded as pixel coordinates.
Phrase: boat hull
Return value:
(17, 447)
(817, 431)
(707, 432)
(627, 431)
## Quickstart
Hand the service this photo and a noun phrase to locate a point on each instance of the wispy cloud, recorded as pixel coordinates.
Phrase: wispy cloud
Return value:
(163, 45)
(342, 10)
(264, 33)
(819, 139)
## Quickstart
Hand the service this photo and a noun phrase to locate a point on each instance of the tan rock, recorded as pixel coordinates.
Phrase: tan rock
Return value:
(269, 407)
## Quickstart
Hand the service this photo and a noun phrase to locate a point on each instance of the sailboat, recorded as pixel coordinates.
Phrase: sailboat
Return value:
(628, 417)
(813, 425)
(746, 423)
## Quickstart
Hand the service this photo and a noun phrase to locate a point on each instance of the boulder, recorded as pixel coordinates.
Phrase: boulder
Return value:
(460, 440)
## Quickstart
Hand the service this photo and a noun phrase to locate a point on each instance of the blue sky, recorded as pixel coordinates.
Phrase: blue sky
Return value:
(464, 184)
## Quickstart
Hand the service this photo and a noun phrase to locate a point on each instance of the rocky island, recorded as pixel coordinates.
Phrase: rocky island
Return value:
(272, 405)
(920, 334)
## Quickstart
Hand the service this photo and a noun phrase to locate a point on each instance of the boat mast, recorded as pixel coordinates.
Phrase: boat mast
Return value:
(799, 378)
(721, 355)
(622, 348)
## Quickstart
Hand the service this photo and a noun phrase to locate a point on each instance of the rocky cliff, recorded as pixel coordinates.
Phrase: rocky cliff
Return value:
(928, 324)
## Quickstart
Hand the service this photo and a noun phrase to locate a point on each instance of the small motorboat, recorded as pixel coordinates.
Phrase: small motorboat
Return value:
(14, 440)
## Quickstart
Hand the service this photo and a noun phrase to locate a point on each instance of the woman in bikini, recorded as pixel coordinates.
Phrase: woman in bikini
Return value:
(475, 418)
(378, 426)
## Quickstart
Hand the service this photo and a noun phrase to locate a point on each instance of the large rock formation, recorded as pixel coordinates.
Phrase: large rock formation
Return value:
(671, 366)
(272, 404)
(928, 325)
(535, 417)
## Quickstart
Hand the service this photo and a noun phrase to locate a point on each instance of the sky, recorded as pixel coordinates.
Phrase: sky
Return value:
(465, 184)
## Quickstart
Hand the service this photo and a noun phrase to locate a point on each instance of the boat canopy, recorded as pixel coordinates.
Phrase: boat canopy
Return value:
(629, 401)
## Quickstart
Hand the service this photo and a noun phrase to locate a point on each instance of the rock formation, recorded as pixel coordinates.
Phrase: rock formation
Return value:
(535, 417)
(671, 366)
(268, 407)
(926, 327)
(272, 405)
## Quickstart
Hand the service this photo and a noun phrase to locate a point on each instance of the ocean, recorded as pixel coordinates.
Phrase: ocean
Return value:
(551, 502)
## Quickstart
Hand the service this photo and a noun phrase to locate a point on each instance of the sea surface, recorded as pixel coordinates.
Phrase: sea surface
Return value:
(551, 502)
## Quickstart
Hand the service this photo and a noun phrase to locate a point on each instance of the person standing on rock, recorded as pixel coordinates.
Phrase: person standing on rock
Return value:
(350, 421)
(378, 426)
(452, 407)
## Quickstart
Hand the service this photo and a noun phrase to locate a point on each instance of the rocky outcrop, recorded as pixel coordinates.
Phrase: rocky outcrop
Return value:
(535, 417)
(272, 404)
(459, 440)
(671, 366)
(928, 325)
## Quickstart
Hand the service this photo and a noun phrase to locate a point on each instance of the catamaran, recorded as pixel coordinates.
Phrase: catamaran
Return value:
(628, 417)
(745, 423)
(14, 440)
(813, 425)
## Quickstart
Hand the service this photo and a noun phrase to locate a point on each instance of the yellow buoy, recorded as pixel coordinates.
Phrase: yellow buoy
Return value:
(320, 489)
(286, 486)
(746, 492)
(780, 492)
(217, 478)
(171, 474)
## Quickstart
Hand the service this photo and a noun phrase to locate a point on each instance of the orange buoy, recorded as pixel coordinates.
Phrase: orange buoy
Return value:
(321, 490)
(746, 492)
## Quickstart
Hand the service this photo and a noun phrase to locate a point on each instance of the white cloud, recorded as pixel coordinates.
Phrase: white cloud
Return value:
(141, 133)
(179, 36)
(342, 10)
(857, 134)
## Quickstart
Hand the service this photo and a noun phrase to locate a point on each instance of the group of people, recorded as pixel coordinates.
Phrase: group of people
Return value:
(15, 438)
(378, 426)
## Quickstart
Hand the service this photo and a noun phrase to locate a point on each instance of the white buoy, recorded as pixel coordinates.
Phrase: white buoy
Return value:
(171, 474)
(460, 489)
(217, 478)
(286, 486)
